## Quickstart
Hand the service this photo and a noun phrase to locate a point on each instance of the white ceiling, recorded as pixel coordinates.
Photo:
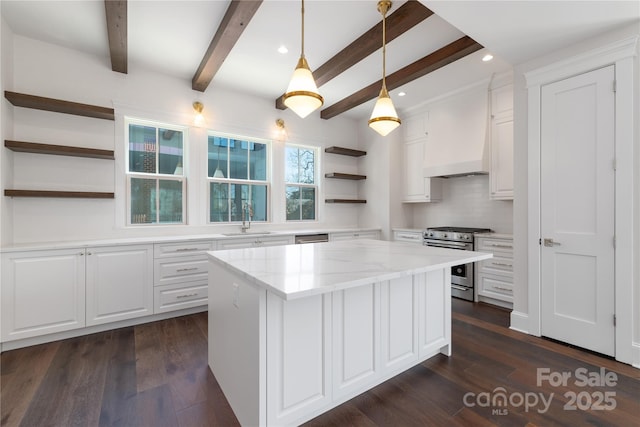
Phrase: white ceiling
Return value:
(171, 37)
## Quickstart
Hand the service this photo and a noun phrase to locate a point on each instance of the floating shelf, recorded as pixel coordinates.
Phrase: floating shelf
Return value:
(59, 106)
(58, 150)
(344, 201)
(345, 151)
(58, 194)
(339, 175)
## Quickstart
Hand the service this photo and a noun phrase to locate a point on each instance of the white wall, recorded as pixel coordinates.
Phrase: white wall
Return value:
(48, 70)
(465, 203)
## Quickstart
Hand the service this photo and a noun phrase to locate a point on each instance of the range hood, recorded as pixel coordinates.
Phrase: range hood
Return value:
(458, 135)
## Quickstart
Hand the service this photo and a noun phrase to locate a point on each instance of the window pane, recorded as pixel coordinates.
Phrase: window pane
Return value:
(170, 151)
(239, 195)
(259, 202)
(170, 201)
(218, 157)
(142, 149)
(219, 199)
(308, 202)
(299, 165)
(258, 159)
(293, 202)
(143, 201)
(238, 151)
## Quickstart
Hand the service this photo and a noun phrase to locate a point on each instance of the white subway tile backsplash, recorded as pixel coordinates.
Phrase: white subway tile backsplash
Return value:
(465, 203)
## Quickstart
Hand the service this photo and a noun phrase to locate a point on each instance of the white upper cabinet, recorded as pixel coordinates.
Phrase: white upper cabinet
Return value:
(415, 126)
(416, 187)
(502, 143)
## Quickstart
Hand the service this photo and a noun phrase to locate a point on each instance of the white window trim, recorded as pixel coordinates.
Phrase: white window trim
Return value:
(315, 185)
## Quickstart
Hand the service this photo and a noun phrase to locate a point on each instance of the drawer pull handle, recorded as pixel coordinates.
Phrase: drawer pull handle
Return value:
(497, 245)
(180, 270)
(186, 249)
(187, 295)
(502, 288)
(502, 264)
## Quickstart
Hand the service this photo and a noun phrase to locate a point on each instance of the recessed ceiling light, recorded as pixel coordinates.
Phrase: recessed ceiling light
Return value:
(283, 49)
(488, 57)
(402, 93)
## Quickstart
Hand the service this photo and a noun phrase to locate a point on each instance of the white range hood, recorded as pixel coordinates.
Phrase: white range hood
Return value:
(458, 134)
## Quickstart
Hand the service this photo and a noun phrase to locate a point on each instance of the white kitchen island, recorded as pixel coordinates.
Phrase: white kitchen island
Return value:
(296, 330)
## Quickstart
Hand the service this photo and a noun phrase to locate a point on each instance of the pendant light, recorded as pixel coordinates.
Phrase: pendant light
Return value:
(302, 95)
(384, 118)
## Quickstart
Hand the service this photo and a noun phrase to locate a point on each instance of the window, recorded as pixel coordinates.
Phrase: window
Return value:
(155, 178)
(300, 182)
(237, 173)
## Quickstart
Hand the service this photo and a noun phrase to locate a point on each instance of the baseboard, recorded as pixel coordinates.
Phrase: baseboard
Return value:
(635, 348)
(519, 322)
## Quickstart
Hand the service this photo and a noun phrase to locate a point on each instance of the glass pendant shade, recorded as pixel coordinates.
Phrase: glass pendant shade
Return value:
(218, 173)
(384, 118)
(302, 95)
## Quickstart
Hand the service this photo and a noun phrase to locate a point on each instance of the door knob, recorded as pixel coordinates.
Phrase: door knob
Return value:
(550, 243)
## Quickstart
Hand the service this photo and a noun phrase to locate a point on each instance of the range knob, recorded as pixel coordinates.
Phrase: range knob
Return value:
(465, 237)
(444, 235)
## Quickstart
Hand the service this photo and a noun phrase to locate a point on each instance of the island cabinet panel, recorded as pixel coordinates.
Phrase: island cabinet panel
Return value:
(355, 338)
(435, 317)
(399, 324)
(119, 283)
(42, 292)
(298, 357)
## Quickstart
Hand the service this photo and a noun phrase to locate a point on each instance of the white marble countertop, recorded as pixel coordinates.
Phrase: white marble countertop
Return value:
(296, 271)
(141, 240)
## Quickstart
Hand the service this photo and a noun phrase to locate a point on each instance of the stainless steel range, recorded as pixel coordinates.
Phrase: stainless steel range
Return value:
(462, 277)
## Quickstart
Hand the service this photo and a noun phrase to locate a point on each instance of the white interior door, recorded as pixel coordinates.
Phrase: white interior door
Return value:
(577, 211)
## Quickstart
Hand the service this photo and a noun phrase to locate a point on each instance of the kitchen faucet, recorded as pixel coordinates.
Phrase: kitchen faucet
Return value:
(247, 212)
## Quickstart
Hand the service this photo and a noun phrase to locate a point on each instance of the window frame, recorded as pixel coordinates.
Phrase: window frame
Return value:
(157, 177)
(315, 185)
(238, 181)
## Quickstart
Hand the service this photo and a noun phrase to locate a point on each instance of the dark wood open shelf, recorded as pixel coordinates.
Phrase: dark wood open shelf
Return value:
(344, 201)
(59, 106)
(345, 151)
(58, 194)
(340, 175)
(58, 150)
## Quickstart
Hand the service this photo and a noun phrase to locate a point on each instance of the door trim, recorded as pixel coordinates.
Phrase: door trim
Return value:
(621, 54)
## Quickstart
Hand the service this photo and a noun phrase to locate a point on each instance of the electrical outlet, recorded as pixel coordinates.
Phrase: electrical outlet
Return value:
(236, 294)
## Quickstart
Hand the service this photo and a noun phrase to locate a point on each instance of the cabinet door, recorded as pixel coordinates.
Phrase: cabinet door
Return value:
(502, 158)
(413, 171)
(119, 283)
(42, 292)
(435, 317)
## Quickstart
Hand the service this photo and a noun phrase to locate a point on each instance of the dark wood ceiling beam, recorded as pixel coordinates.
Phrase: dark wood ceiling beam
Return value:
(116, 11)
(406, 17)
(438, 59)
(235, 20)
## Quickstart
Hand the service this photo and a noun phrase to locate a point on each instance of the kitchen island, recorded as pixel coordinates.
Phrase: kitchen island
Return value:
(296, 330)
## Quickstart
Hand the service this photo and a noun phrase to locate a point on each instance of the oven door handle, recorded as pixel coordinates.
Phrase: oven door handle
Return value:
(460, 288)
(449, 245)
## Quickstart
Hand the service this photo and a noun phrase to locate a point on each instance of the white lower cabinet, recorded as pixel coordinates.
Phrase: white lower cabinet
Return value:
(180, 276)
(43, 292)
(119, 283)
(351, 235)
(408, 236)
(494, 276)
(255, 242)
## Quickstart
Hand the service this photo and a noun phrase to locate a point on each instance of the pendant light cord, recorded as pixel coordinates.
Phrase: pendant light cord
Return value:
(302, 32)
(384, 49)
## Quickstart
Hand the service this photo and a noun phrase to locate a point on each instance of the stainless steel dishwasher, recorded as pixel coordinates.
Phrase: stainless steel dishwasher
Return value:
(311, 238)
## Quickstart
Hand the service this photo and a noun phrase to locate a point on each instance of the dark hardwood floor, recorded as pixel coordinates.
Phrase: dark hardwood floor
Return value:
(157, 375)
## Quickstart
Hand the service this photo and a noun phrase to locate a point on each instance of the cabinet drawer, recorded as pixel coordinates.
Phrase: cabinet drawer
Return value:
(491, 245)
(354, 235)
(177, 297)
(495, 287)
(408, 236)
(497, 265)
(180, 269)
(163, 250)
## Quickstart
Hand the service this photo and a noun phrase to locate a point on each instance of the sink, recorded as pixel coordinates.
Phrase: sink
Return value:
(247, 233)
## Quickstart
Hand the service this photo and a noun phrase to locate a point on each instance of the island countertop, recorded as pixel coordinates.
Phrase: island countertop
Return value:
(296, 271)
